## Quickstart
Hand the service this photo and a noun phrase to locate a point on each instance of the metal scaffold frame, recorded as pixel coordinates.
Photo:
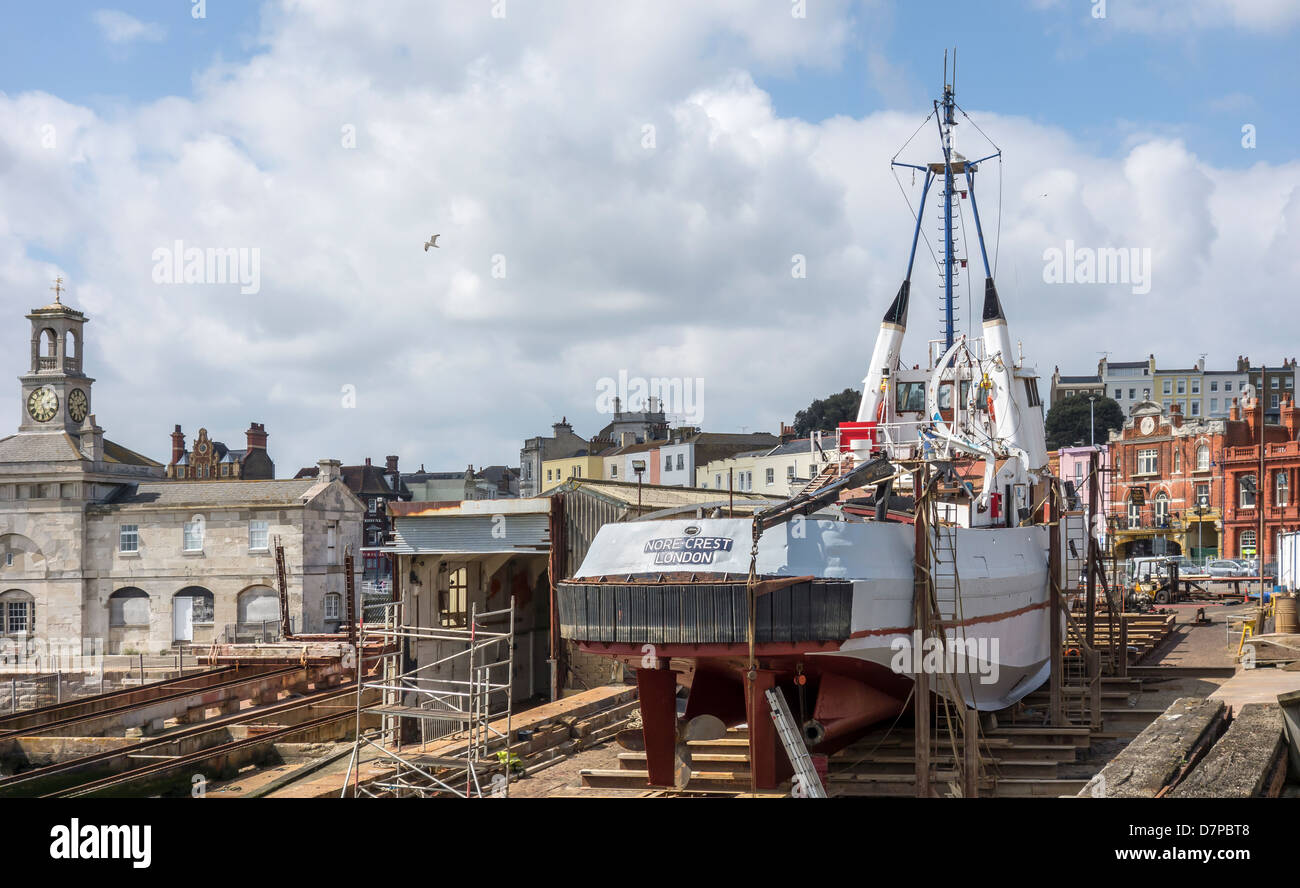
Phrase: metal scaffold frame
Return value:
(459, 702)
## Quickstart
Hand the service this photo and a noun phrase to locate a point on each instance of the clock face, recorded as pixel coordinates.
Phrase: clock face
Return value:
(78, 406)
(42, 404)
(1148, 425)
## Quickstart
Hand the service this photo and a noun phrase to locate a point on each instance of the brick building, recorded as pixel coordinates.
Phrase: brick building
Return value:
(210, 460)
(1189, 485)
(1167, 489)
(1281, 475)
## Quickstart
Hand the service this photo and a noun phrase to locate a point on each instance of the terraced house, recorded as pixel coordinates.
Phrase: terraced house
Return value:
(100, 552)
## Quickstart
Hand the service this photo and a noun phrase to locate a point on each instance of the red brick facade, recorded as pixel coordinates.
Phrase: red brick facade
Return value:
(1277, 496)
(1189, 479)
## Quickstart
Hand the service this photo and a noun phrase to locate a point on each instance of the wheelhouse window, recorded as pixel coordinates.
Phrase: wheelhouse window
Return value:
(128, 538)
(910, 398)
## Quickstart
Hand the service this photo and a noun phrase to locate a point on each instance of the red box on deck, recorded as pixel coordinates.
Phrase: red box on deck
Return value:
(856, 431)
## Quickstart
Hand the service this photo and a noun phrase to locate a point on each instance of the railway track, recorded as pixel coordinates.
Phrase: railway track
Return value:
(220, 679)
(99, 702)
(188, 744)
(223, 758)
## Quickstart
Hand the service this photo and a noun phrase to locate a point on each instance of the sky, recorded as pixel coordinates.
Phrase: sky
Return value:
(698, 192)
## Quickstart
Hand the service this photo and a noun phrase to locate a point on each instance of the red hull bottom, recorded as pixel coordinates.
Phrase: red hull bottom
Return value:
(837, 698)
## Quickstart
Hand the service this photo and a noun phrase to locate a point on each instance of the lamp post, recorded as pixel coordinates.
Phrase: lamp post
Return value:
(1092, 420)
(638, 468)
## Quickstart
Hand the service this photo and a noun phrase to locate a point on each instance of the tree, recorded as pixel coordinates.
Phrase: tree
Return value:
(1068, 423)
(827, 413)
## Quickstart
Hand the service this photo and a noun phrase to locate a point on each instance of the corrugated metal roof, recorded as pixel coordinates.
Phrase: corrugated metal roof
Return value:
(531, 505)
(470, 534)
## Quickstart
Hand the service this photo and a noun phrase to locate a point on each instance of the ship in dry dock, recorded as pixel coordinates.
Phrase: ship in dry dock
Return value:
(819, 595)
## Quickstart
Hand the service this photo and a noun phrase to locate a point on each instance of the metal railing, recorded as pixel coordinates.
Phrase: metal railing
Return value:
(257, 632)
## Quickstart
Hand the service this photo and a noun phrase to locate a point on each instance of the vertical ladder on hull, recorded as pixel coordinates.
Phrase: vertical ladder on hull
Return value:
(943, 566)
(792, 740)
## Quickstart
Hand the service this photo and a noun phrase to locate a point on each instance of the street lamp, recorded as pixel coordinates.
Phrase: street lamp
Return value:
(638, 468)
(1092, 420)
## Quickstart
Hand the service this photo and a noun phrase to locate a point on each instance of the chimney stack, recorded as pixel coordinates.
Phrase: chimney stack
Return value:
(256, 436)
(92, 439)
(390, 465)
(1289, 416)
(329, 470)
(178, 445)
(1234, 412)
(1176, 415)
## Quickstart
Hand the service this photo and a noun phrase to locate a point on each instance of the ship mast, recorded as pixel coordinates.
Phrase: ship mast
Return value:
(953, 166)
(946, 123)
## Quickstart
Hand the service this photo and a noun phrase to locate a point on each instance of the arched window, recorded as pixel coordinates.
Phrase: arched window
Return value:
(204, 605)
(17, 613)
(128, 607)
(259, 604)
(1202, 457)
(1162, 509)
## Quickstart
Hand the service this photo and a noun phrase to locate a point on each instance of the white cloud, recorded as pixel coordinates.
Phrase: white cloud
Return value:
(524, 139)
(119, 28)
(1163, 17)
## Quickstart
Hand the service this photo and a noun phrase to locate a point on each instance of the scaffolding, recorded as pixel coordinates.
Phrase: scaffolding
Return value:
(441, 728)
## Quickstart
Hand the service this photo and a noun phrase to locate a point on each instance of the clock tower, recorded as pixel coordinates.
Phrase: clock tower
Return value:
(55, 391)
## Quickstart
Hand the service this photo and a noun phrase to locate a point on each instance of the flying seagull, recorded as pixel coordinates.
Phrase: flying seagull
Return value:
(433, 242)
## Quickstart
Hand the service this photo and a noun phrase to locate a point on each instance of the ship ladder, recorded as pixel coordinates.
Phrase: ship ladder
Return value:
(944, 569)
(806, 783)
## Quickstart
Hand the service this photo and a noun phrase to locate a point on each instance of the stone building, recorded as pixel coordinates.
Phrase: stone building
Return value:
(376, 488)
(100, 553)
(210, 460)
(561, 442)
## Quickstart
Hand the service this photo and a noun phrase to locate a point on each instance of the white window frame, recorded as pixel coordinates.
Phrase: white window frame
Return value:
(1243, 493)
(1161, 508)
(1148, 461)
(129, 532)
(1202, 465)
(1281, 488)
(265, 528)
(333, 606)
(1134, 515)
(193, 531)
